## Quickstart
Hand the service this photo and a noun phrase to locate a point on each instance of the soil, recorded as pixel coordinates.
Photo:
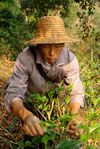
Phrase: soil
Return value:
(10, 128)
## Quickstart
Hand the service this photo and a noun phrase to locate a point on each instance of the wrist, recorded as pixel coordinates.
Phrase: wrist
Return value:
(74, 108)
(24, 114)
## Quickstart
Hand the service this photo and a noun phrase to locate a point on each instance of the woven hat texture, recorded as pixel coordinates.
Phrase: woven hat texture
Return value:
(51, 29)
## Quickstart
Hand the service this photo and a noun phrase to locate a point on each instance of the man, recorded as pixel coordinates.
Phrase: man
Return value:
(47, 60)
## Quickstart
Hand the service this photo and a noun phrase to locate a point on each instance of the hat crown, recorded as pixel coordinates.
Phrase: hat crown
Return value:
(50, 25)
(50, 28)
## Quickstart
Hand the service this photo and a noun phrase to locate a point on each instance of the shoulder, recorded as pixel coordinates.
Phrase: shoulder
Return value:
(66, 56)
(25, 60)
(69, 55)
(26, 56)
(25, 53)
(71, 61)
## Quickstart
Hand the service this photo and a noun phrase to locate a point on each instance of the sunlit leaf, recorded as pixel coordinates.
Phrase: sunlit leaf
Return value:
(67, 100)
(84, 138)
(94, 127)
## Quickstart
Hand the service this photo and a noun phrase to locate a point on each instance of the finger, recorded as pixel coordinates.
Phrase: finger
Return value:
(27, 130)
(33, 130)
(38, 129)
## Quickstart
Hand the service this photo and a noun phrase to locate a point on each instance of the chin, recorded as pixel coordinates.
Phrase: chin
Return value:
(51, 62)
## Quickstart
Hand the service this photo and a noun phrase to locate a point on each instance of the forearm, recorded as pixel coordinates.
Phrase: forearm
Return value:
(19, 110)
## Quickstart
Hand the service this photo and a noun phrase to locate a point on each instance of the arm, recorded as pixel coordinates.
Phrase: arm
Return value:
(76, 96)
(15, 94)
(77, 93)
(18, 83)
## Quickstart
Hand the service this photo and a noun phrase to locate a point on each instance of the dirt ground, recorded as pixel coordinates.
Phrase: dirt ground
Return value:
(9, 127)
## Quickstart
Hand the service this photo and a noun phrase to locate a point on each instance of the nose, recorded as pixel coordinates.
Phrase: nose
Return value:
(52, 51)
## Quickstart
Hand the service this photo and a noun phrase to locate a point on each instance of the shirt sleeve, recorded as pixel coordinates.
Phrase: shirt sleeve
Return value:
(72, 76)
(18, 82)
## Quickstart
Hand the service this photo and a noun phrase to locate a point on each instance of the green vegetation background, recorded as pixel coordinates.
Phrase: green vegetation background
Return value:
(17, 25)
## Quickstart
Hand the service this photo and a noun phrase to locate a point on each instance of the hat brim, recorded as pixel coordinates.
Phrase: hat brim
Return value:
(52, 41)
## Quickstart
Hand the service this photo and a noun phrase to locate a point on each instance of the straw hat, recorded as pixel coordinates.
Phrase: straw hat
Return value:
(50, 29)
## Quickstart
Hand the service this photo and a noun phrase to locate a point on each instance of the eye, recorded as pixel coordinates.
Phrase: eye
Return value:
(58, 46)
(46, 46)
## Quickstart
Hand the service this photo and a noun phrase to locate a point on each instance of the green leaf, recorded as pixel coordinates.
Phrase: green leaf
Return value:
(68, 144)
(67, 100)
(45, 108)
(83, 126)
(94, 127)
(90, 147)
(96, 101)
(44, 99)
(45, 139)
(40, 106)
(83, 138)
(27, 143)
(46, 124)
(65, 118)
(69, 88)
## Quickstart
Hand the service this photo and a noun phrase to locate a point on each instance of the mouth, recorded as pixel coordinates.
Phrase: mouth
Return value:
(51, 60)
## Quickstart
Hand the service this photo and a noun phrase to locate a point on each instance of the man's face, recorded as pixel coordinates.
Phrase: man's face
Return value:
(50, 52)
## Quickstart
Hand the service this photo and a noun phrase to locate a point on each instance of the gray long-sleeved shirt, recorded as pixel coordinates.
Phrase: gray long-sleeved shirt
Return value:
(27, 77)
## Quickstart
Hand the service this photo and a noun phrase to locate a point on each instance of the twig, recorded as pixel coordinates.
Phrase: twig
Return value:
(8, 133)
(8, 140)
(2, 116)
(49, 113)
(42, 115)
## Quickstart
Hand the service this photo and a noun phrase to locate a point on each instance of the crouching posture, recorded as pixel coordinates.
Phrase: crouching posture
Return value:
(45, 59)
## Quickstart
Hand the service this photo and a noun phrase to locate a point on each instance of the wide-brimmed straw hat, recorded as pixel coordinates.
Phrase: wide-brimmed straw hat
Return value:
(51, 29)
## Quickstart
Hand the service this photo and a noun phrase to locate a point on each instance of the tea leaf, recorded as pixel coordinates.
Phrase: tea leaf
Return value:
(68, 144)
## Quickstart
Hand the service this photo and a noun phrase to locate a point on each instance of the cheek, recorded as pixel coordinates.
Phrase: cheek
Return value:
(44, 54)
(58, 52)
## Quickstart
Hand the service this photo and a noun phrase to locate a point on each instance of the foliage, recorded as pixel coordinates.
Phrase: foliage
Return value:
(85, 15)
(13, 28)
(55, 125)
(43, 8)
(17, 24)
(70, 144)
(18, 20)
(46, 103)
(90, 79)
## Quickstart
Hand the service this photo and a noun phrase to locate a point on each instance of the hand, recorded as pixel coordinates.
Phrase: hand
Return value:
(31, 124)
(32, 127)
(72, 129)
